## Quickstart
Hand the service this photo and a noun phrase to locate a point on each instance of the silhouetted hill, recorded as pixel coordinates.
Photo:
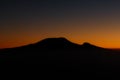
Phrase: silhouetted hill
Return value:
(62, 55)
(86, 44)
(55, 43)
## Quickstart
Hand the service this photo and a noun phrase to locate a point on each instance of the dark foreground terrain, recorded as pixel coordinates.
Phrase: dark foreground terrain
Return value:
(61, 55)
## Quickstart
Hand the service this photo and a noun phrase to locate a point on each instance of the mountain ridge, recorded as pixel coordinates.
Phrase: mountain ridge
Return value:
(55, 41)
(60, 53)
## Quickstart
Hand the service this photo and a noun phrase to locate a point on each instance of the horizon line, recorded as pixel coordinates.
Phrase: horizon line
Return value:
(117, 48)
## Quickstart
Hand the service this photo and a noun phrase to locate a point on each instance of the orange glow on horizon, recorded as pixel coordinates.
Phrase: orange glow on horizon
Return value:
(97, 42)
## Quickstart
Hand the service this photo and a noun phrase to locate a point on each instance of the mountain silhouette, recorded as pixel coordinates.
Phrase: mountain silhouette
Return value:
(88, 44)
(54, 43)
(63, 55)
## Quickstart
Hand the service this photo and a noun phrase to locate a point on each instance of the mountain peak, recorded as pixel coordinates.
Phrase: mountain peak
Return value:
(59, 42)
(59, 39)
(87, 44)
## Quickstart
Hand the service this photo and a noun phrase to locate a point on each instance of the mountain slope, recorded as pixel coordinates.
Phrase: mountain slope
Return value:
(60, 53)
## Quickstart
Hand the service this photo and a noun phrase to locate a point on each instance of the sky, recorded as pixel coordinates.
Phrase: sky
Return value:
(28, 21)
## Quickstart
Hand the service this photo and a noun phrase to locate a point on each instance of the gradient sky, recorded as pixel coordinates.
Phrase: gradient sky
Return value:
(28, 21)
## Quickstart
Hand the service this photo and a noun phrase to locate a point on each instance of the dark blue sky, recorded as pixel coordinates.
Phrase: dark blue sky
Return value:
(56, 8)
